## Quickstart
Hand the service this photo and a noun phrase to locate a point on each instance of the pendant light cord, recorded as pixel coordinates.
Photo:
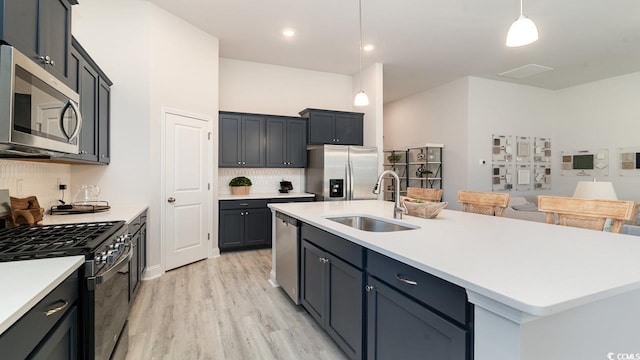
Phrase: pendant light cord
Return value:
(360, 22)
(520, 8)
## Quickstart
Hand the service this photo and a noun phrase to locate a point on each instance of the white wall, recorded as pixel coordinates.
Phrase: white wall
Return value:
(502, 108)
(438, 116)
(270, 89)
(601, 114)
(156, 61)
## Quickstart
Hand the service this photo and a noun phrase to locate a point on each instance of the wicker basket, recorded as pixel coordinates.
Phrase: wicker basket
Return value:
(427, 210)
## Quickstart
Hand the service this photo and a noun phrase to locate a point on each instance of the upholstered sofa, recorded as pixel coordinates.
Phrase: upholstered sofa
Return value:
(523, 209)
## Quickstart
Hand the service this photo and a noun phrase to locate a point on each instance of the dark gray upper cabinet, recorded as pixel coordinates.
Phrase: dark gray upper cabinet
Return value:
(286, 142)
(41, 29)
(104, 121)
(241, 140)
(334, 127)
(94, 89)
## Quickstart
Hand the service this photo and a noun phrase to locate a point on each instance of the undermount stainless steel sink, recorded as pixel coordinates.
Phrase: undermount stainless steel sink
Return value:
(367, 223)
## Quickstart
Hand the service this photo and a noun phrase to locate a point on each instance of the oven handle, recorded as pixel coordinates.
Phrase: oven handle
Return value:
(114, 269)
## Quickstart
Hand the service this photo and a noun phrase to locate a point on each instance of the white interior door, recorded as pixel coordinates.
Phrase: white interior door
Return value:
(186, 189)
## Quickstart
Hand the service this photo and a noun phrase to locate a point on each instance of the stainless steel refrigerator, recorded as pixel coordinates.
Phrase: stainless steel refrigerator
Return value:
(341, 172)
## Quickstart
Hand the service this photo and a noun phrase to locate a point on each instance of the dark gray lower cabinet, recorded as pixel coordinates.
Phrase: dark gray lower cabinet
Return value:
(37, 335)
(399, 313)
(399, 327)
(332, 290)
(138, 231)
(244, 224)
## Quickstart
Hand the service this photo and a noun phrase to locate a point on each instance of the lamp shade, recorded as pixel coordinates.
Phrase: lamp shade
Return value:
(522, 32)
(595, 190)
(361, 99)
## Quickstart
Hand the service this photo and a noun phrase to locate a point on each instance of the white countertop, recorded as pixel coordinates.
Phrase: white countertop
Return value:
(25, 283)
(126, 212)
(273, 195)
(537, 268)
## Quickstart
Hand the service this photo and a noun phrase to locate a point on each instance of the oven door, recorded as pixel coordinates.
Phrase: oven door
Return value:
(111, 307)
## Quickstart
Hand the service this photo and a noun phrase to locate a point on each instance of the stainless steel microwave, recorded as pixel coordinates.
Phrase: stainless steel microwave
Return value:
(38, 113)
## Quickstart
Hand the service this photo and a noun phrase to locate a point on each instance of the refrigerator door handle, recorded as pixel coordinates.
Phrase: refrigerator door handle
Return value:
(351, 180)
(347, 181)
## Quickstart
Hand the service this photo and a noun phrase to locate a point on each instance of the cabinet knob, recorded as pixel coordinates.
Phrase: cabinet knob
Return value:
(323, 260)
(244, 163)
(337, 140)
(239, 163)
(369, 288)
(171, 200)
(102, 156)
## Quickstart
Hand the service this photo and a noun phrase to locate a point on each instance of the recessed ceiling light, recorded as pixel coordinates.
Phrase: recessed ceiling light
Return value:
(368, 47)
(288, 32)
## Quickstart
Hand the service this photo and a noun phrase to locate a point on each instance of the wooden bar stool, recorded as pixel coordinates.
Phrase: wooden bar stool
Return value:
(425, 194)
(485, 203)
(586, 213)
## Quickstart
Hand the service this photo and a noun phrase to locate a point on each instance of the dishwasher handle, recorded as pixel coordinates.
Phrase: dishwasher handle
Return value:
(287, 219)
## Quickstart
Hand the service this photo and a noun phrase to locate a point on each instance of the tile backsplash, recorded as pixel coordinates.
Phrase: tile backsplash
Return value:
(25, 178)
(263, 180)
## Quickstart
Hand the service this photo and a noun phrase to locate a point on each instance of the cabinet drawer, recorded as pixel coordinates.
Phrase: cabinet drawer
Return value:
(136, 224)
(434, 292)
(342, 248)
(242, 204)
(23, 336)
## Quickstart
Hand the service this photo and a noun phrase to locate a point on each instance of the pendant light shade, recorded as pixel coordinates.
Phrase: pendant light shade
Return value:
(522, 32)
(361, 98)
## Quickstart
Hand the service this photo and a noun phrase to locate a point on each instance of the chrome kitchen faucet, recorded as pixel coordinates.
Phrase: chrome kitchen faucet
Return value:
(398, 209)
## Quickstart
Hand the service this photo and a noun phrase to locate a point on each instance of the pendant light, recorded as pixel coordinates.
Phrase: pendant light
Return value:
(522, 32)
(361, 98)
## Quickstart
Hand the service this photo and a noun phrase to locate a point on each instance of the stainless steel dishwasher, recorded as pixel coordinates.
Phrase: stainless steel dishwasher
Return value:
(287, 254)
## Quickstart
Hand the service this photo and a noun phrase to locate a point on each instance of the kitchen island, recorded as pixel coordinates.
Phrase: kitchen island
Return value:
(539, 291)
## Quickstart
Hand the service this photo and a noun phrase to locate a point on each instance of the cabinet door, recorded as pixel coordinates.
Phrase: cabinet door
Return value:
(349, 129)
(253, 141)
(55, 35)
(312, 281)
(297, 143)
(62, 342)
(20, 28)
(277, 142)
(257, 227)
(133, 267)
(104, 119)
(345, 306)
(75, 63)
(400, 328)
(231, 233)
(89, 111)
(142, 251)
(322, 128)
(229, 140)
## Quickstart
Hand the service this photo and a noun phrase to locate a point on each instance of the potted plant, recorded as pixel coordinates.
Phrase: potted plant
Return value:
(240, 185)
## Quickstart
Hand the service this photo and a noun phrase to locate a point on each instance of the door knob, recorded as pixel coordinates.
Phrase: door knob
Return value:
(171, 200)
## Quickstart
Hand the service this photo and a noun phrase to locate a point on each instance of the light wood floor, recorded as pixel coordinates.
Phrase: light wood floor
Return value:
(223, 308)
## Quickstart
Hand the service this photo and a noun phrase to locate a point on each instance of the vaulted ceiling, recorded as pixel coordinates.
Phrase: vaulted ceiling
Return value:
(426, 43)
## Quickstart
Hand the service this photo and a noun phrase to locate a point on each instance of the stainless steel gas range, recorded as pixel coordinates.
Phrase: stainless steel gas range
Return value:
(104, 288)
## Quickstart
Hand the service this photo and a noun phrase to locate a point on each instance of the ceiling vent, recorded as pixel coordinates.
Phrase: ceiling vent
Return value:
(525, 71)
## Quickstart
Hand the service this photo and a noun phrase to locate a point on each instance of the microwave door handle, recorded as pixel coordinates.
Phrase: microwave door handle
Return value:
(76, 130)
(78, 127)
